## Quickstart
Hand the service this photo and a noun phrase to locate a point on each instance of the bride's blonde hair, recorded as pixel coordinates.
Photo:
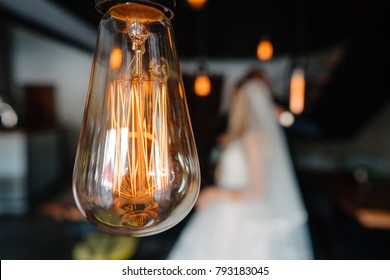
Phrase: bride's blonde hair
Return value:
(237, 115)
(239, 107)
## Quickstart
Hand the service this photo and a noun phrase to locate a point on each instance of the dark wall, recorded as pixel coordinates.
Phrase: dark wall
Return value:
(5, 59)
(204, 112)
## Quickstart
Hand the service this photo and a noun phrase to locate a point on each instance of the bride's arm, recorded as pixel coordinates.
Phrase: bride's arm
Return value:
(256, 155)
(255, 149)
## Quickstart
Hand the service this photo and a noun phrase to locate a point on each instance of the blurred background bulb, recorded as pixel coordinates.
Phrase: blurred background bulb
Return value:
(196, 4)
(265, 50)
(136, 171)
(202, 85)
(297, 91)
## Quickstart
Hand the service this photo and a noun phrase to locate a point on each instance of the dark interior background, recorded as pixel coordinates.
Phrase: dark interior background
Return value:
(346, 115)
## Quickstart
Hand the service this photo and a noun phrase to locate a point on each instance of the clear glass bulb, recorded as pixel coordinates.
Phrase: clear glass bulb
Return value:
(136, 171)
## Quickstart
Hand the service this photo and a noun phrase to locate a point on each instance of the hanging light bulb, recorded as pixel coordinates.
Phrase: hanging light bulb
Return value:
(136, 171)
(196, 4)
(265, 50)
(297, 91)
(202, 85)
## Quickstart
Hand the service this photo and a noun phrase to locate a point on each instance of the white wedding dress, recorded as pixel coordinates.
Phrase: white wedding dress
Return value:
(271, 226)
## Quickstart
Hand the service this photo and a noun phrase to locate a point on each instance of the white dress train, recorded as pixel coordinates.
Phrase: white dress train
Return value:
(273, 226)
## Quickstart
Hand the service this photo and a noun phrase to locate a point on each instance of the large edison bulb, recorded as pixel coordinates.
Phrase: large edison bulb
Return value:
(136, 171)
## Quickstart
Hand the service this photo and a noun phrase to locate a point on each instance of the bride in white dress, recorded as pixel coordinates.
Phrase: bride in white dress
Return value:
(256, 210)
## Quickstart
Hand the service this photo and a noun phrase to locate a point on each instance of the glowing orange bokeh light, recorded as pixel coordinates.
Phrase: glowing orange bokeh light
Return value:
(202, 85)
(265, 50)
(297, 91)
(196, 4)
(116, 58)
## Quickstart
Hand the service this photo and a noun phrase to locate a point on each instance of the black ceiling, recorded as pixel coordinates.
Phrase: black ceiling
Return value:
(232, 29)
(355, 90)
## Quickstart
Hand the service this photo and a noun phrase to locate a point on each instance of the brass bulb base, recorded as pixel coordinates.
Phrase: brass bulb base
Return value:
(166, 6)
